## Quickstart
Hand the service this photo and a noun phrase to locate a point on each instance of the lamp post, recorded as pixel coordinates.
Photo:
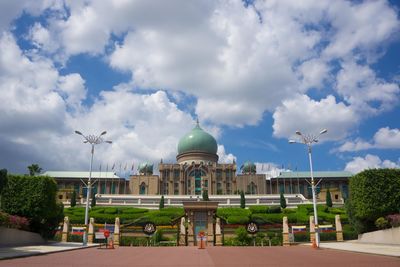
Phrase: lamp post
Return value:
(308, 140)
(92, 140)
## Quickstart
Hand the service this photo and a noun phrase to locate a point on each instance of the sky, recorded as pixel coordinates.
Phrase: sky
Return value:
(252, 72)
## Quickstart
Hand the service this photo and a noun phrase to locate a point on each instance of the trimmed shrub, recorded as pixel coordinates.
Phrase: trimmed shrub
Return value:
(237, 219)
(110, 210)
(328, 198)
(242, 200)
(374, 193)
(282, 201)
(274, 209)
(328, 236)
(161, 205)
(258, 209)
(33, 197)
(242, 238)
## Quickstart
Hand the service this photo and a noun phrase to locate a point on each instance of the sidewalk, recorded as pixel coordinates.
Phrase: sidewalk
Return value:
(25, 251)
(370, 248)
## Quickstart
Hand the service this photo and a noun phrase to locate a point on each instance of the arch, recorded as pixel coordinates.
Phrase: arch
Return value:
(142, 188)
(252, 188)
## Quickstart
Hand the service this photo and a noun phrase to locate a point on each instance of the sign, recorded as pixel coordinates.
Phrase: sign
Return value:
(149, 228)
(252, 228)
(106, 233)
(99, 235)
(78, 230)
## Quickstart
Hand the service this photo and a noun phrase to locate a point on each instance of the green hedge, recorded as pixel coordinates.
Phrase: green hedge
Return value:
(33, 197)
(258, 209)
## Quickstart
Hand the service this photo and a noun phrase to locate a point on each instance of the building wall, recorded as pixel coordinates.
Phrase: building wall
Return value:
(147, 182)
(253, 184)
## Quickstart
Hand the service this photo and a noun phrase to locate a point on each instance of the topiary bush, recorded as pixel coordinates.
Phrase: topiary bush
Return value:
(33, 197)
(374, 193)
(258, 209)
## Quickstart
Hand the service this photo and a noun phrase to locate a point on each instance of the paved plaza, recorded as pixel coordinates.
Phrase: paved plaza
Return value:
(211, 256)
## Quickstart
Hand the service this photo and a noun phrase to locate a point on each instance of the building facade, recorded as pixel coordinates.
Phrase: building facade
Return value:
(102, 183)
(197, 170)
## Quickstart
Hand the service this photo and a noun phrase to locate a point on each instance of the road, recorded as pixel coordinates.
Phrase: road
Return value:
(211, 256)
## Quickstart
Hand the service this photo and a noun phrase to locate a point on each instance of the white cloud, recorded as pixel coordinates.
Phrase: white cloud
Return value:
(313, 73)
(387, 138)
(384, 138)
(310, 116)
(269, 169)
(352, 25)
(223, 157)
(238, 62)
(43, 108)
(369, 162)
(364, 91)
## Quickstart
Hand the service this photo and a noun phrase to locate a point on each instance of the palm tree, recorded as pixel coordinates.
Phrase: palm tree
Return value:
(34, 169)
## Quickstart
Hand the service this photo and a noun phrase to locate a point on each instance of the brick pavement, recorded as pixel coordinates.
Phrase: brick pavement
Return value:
(211, 256)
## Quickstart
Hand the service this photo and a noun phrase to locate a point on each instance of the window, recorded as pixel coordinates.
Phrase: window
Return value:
(252, 188)
(142, 189)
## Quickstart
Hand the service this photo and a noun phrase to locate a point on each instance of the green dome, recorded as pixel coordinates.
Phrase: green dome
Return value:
(197, 140)
(248, 167)
(145, 168)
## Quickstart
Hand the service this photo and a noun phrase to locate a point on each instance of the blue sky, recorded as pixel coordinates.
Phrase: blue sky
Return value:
(253, 73)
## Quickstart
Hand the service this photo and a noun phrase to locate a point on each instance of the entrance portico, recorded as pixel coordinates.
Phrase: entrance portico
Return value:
(200, 217)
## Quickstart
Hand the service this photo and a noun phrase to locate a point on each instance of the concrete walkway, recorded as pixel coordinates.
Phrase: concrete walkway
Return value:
(353, 246)
(51, 247)
(378, 249)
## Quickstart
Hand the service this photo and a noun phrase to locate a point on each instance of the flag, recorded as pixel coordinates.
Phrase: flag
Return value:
(113, 166)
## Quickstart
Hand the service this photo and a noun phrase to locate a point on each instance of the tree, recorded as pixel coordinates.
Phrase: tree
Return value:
(161, 205)
(34, 198)
(282, 200)
(34, 169)
(3, 181)
(374, 193)
(242, 200)
(205, 195)
(73, 199)
(93, 203)
(328, 199)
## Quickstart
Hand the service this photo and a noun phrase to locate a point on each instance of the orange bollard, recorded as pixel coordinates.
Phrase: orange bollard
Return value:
(201, 236)
(111, 244)
(314, 244)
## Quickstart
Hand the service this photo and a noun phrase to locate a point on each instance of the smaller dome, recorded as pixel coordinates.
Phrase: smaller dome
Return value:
(248, 167)
(145, 168)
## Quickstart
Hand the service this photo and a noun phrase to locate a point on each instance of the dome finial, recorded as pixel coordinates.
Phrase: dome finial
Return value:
(197, 122)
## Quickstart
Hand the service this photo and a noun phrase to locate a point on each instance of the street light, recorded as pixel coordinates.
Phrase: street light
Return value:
(92, 140)
(308, 139)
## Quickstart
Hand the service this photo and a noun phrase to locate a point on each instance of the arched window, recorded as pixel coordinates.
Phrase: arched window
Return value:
(142, 188)
(252, 188)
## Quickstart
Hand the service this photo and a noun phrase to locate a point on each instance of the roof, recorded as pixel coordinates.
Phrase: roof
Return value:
(81, 175)
(323, 174)
(197, 140)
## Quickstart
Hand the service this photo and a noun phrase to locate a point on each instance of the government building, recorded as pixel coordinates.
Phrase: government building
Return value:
(197, 171)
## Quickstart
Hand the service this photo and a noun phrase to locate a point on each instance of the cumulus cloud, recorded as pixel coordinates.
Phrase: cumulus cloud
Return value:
(310, 116)
(38, 121)
(238, 60)
(369, 162)
(223, 156)
(364, 91)
(384, 138)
